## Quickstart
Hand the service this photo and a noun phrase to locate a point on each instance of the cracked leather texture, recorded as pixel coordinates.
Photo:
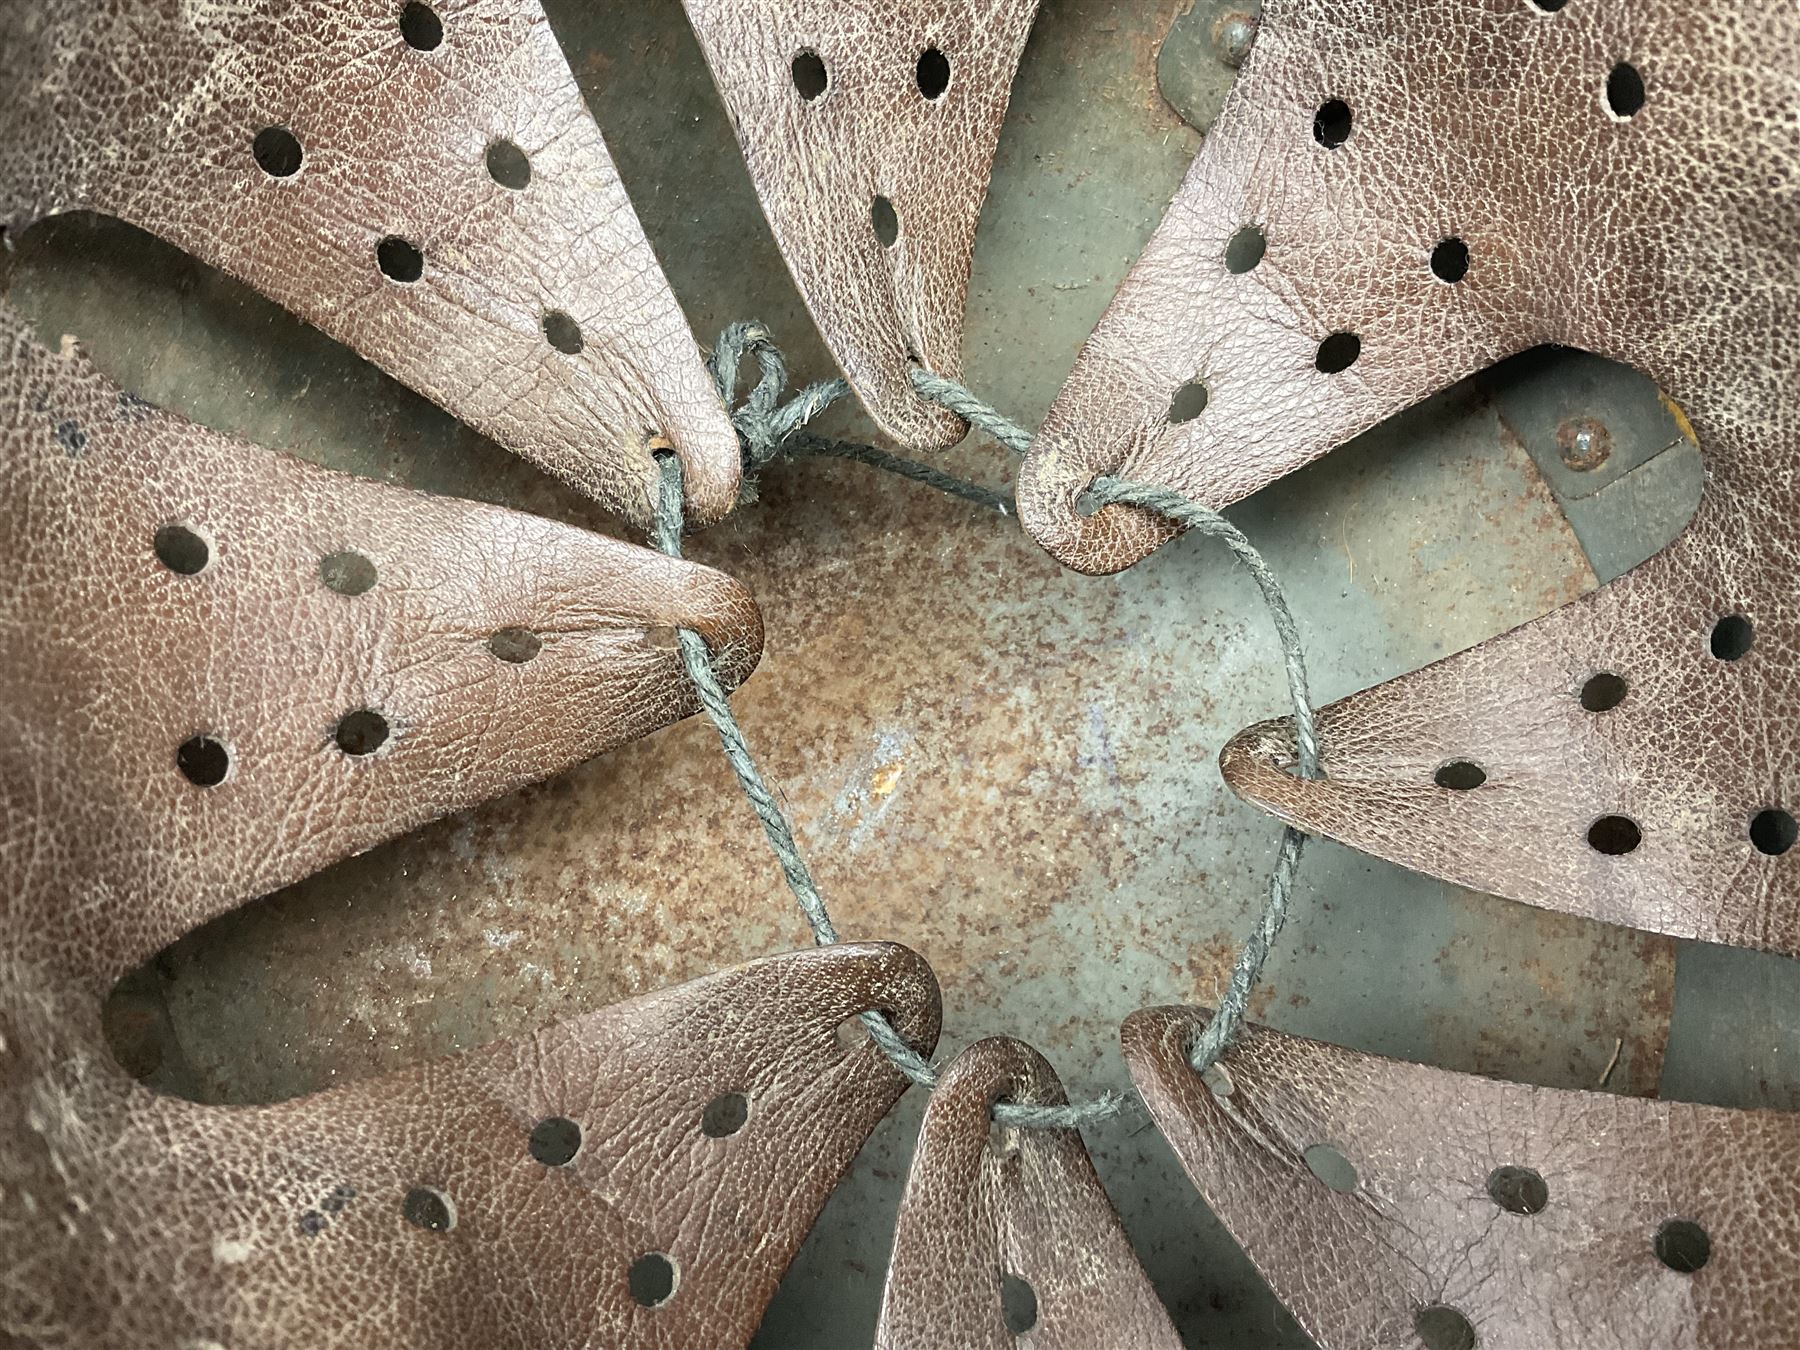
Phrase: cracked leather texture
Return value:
(818, 165)
(1668, 240)
(1420, 1228)
(131, 1219)
(149, 109)
(983, 1201)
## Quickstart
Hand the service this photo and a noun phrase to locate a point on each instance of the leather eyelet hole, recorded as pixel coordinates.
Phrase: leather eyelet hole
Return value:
(1018, 1303)
(399, 260)
(1545, 6)
(653, 1280)
(1244, 250)
(421, 27)
(1614, 835)
(277, 152)
(430, 1209)
(1450, 260)
(810, 78)
(563, 333)
(1337, 352)
(1441, 1327)
(181, 550)
(1518, 1190)
(1774, 831)
(508, 166)
(933, 73)
(1332, 1168)
(361, 732)
(1732, 637)
(1682, 1245)
(1624, 91)
(1460, 775)
(1604, 692)
(554, 1141)
(725, 1115)
(347, 573)
(1189, 402)
(515, 646)
(885, 221)
(1331, 124)
(203, 761)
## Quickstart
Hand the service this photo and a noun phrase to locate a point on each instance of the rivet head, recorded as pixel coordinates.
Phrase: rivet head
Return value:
(1584, 443)
(1233, 35)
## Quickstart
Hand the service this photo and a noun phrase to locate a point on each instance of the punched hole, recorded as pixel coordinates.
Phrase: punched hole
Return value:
(725, 1115)
(1331, 1167)
(203, 761)
(1337, 352)
(1682, 1245)
(347, 573)
(1450, 260)
(515, 646)
(1732, 637)
(1331, 124)
(1518, 1190)
(421, 27)
(1614, 835)
(277, 151)
(562, 332)
(1624, 91)
(1774, 831)
(885, 221)
(1604, 692)
(181, 550)
(810, 79)
(554, 1141)
(652, 1280)
(362, 732)
(508, 166)
(399, 260)
(1442, 1327)
(1546, 6)
(429, 1209)
(1460, 775)
(1018, 1304)
(1245, 249)
(1189, 402)
(933, 73)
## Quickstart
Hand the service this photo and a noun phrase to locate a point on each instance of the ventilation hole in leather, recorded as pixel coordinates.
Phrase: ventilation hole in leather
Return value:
(1331, 124)
(1018, 1304)
(653, 1279)
(429, 1209)
(1245, 249)
(347, 573)
(810, 79)
(515, 645)
(725, 1115)
(181, 550)
(362, 732)
(399, 260)
(1442, 1327)
(1331, 1167)
(1518, 1190)
(1682, 1245)
(1189, 402)
(1547, 6)
(555, 1140)
(421, 27)
(1614, 835)
(1624, 91)
(1450, 260)
(933, 73)
(1460, 775)
(886, 223)
(1338, 352)
(1774, 831)
(1604, 692)
(562, 332)
(203, 761)
(277, 152)
(1733, 637)
(508, 166)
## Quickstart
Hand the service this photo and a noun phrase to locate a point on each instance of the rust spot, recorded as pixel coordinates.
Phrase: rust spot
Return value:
(1584, 443)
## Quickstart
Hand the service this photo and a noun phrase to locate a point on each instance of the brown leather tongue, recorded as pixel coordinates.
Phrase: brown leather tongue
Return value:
(870, 131)
(425, 184)
(1392, 1204)
(1006, 1236)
